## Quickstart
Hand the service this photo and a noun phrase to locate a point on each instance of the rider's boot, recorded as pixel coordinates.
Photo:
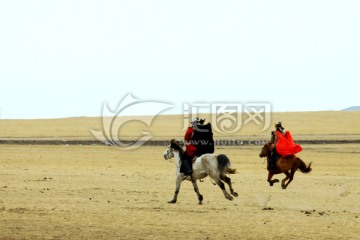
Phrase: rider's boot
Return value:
(187, 165)
(273, 158)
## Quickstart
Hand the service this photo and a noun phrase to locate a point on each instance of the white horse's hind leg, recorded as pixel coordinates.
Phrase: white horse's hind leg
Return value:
(196, 189)
(222, 186)
(179, 179)
(211, 166)
(228, 181)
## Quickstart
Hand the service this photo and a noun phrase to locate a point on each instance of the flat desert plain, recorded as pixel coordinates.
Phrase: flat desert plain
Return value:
(104, 192)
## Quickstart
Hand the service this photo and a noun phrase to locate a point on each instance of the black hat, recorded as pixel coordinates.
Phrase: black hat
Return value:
(279, 127)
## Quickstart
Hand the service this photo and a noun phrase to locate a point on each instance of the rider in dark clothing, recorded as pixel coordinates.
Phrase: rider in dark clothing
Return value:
(203, 138)
(198, 141)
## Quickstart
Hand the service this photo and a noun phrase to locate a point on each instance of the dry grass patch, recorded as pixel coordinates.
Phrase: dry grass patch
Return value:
(303, 125)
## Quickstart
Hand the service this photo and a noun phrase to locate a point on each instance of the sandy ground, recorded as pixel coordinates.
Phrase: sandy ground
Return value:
(100, 192)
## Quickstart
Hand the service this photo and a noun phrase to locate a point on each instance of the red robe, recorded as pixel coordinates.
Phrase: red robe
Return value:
(190, 148)
(285, 145)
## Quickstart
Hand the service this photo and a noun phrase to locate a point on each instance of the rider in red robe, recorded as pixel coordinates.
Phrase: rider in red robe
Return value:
(284, 145)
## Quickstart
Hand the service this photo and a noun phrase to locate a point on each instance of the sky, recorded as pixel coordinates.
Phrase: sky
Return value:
(70, 58)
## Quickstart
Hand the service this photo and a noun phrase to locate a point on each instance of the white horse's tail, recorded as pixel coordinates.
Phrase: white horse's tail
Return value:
(224, 164)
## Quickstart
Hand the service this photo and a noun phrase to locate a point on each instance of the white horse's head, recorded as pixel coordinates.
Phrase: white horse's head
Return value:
(169, 153)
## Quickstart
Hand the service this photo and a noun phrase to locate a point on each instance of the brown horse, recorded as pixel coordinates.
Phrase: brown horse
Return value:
(287, 165)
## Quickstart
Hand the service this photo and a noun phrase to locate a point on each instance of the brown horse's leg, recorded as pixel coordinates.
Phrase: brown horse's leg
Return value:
(228, 181)
(270, 175)
(291, 176)
(283, 185)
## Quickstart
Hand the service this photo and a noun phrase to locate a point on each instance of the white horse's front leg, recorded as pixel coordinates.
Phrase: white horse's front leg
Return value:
(196, 189)
(179, 179)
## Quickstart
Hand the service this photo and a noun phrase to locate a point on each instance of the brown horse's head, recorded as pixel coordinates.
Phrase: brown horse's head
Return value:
(266, 150)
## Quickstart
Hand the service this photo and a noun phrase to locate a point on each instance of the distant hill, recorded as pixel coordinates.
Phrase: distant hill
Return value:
(353, 108)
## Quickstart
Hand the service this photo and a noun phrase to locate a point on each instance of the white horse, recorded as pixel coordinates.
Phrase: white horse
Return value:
(210, 165)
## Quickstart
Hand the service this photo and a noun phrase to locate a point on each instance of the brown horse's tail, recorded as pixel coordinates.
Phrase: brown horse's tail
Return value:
(303, 168)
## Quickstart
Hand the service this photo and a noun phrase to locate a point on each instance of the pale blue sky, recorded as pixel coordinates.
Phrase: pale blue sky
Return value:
(66, 58)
